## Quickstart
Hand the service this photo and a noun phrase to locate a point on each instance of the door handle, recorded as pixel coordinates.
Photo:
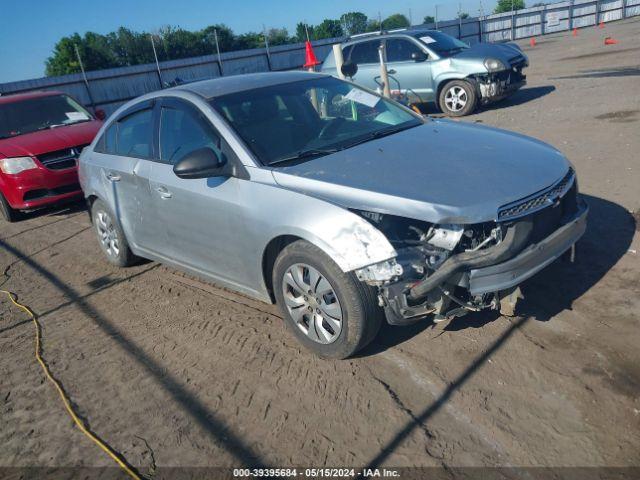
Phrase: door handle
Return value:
(164, 193)
(112, 177)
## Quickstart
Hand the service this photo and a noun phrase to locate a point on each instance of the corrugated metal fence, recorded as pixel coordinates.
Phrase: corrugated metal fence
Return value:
(111, 88)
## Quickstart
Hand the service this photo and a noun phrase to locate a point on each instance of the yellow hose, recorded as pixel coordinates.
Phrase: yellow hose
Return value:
(67, 404)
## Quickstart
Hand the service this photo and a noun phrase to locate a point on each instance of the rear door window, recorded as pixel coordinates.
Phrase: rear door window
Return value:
(134, 137)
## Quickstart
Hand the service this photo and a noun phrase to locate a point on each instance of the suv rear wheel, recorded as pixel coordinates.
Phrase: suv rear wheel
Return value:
(458, 98)
(8, 213)
(331, 312)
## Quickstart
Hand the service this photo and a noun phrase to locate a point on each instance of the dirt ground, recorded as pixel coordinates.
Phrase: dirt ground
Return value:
(171, 371)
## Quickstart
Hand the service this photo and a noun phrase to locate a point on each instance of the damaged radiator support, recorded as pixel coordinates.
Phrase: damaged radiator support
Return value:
(514, 241)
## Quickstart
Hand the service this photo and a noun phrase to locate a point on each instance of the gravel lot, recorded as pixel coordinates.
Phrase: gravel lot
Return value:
(171, 371)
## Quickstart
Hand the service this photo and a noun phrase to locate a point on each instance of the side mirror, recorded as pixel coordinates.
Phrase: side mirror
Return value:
(100, 114)
(201, 163)
(419, 56)
(349, 69)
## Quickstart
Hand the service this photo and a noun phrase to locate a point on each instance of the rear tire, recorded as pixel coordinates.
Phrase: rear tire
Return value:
(458, 98)
(110, 236)
(9, 214)
(329, 311)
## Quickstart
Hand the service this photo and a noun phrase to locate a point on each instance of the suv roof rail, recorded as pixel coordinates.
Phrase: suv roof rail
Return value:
(376, 33)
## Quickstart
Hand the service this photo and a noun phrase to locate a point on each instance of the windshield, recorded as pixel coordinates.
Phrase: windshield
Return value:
(441, 43)
(301, 120)
(18, 118)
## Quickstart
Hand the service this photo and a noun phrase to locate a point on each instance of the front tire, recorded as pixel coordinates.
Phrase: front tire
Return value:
(9, 214)
(330, 312)
(458, 98)
(110, 236)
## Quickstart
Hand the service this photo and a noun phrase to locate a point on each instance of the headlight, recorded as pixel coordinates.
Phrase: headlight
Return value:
(494, 65)
(16, 165)
(380, 272)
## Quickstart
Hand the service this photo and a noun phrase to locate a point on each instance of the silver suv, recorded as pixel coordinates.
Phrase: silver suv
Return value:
(343, 207)
(431, 66)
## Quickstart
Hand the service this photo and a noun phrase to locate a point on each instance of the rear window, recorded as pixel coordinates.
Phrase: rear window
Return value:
(31, 115)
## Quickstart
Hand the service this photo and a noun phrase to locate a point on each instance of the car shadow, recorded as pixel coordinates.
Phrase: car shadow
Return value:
(524, 95)
(552, 290)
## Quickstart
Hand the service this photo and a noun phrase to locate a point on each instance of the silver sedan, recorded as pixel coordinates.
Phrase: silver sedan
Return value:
(345, 208)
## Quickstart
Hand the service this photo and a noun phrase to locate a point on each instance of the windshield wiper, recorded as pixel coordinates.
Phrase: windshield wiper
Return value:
(305, 154)
(379, 134)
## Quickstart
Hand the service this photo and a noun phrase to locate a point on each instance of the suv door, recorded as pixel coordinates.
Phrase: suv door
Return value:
(126, 150)
(365, 55)
(414, 77)
(202, 217)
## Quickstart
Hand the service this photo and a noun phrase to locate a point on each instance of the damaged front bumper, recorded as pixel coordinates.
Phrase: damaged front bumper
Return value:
(476, 280)
(495, 87)
(530, 261)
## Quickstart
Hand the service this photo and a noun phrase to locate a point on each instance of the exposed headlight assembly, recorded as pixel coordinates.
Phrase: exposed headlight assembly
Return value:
(494, 65)
(380, 272)
(15, 165)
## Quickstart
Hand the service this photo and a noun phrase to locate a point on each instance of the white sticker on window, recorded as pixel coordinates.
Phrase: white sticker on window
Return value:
(360, 96)
(427, 39)
(76, 116)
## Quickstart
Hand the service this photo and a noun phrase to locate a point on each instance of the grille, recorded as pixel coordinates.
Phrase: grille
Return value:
(538, 201)
(52, 192)
(61, 159)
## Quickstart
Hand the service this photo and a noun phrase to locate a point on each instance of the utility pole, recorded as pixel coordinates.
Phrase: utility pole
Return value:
(436, 16)
(155, 55)
(266, 44)
(513, 20)
(460, 18)
(84, 76)
(215, 36)
(481, 12)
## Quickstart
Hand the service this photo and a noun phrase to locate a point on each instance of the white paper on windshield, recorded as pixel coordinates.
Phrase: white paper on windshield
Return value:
(76, 116)
(427, 39)
(360, 96)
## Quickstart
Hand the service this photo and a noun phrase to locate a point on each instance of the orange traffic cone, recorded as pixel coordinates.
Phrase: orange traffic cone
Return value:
(532, 42)
(610, 41)
(310, 59)
(575, 32)
(601, 25)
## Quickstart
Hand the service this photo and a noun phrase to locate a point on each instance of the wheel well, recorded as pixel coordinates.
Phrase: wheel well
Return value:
(274, 247)
(444, 83)
(90, 200)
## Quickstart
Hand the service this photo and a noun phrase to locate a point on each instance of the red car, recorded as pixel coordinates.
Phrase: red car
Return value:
(41, 136)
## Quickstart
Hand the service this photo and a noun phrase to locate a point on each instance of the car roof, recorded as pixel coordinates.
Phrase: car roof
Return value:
(19, 97)
(409, 32)
(239, 83)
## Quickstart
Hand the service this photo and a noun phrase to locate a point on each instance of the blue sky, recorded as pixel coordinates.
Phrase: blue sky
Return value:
(30, 28)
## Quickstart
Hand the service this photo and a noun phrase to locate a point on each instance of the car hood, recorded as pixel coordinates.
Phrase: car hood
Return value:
(36, 143)
(440, 172)
(481, 51)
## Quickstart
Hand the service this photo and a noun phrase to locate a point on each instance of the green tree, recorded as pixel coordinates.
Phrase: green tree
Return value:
(278, 36)
(463, 15)
(373, 25)
(354, 22)
(396, 20)
(428, 20)
(248, 40)
(301, 32)
(508, 5)
(94, 50)
(225, 37)
(328, 29)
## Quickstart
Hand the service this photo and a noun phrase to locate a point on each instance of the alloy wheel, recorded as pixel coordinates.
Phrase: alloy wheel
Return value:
(312, 303)
(456, 98)
(107, 234)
